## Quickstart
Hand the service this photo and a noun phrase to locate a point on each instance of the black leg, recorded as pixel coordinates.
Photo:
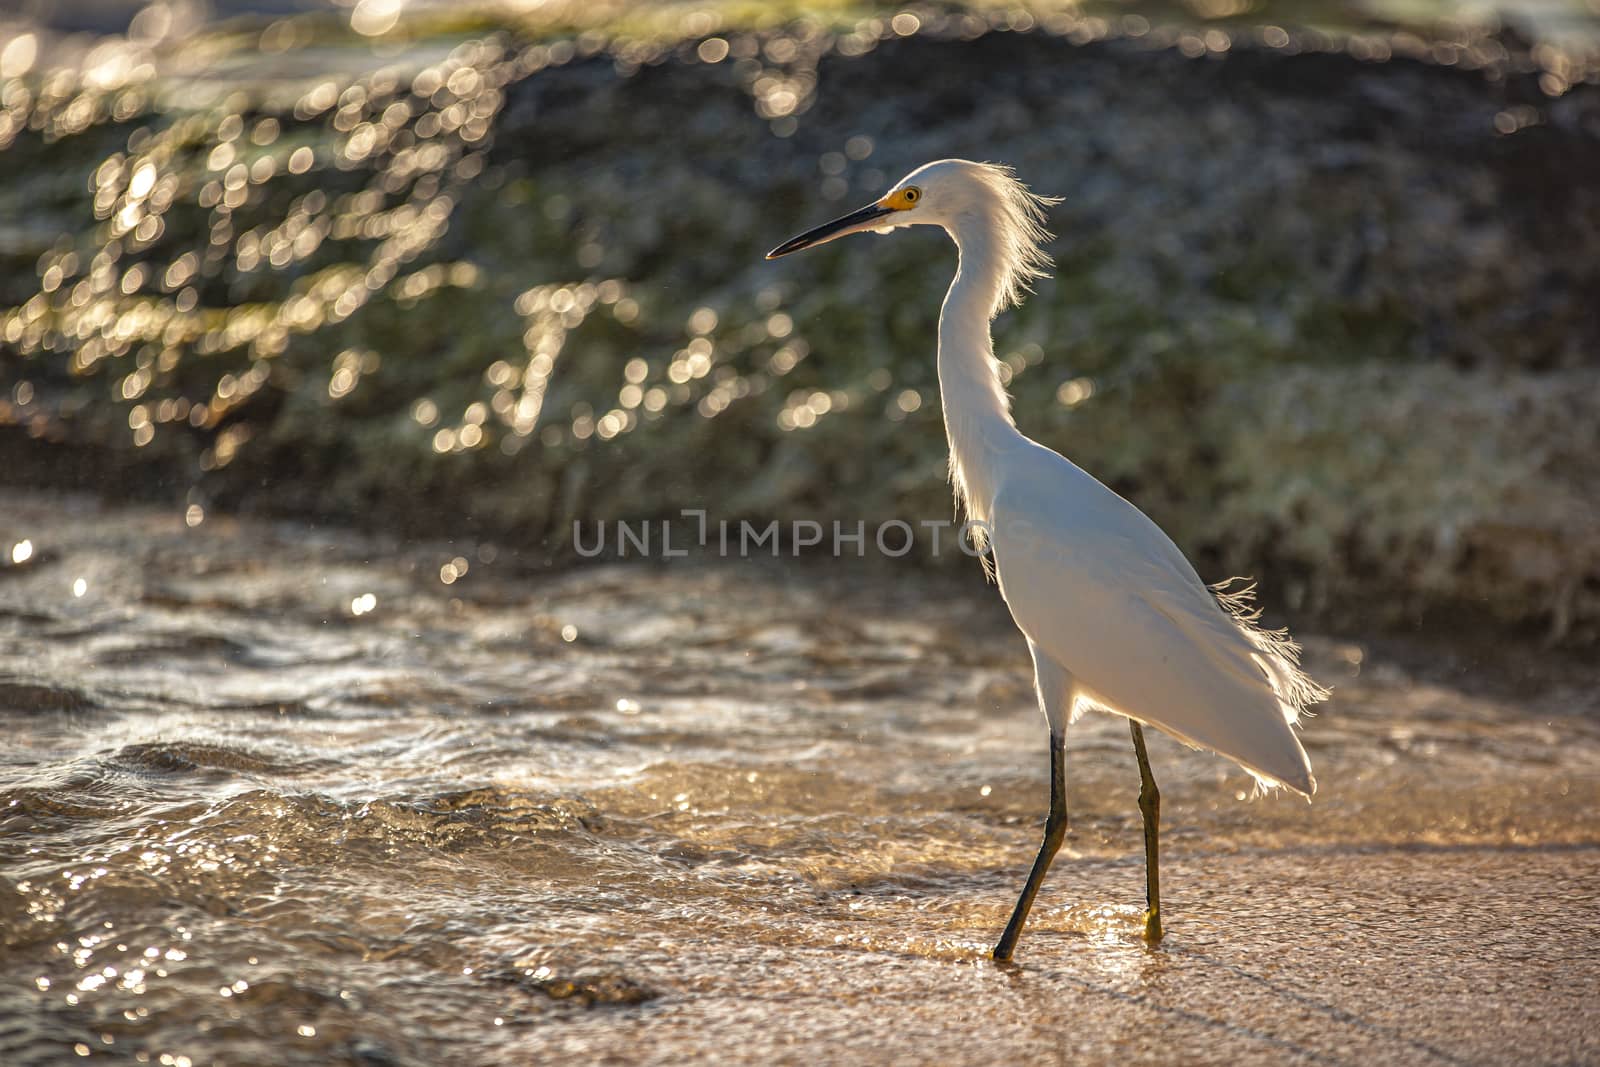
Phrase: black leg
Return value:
(1055, 830)
(1150, 808)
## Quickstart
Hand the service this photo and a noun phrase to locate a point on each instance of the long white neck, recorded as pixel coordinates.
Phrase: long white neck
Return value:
(977, 411)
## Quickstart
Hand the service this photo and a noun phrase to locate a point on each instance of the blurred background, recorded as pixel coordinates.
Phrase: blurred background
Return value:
(1323, 305)
(322, 323)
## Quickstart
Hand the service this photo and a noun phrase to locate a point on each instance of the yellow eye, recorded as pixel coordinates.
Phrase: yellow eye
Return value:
(902, 199)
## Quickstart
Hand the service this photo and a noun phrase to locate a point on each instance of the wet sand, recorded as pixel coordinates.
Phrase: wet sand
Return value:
(736, 811)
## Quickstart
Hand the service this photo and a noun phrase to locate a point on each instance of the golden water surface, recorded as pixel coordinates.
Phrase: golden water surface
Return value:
(272, 794)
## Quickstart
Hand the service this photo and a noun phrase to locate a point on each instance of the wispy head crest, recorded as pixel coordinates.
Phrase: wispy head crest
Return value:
(1020, 218)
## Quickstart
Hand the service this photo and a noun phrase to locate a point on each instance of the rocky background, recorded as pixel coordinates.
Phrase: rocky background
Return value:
(1325, 305)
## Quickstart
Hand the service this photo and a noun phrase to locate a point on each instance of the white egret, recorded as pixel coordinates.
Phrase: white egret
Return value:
(1115, 617)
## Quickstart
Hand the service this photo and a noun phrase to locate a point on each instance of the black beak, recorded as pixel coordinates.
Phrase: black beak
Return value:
(856, 220)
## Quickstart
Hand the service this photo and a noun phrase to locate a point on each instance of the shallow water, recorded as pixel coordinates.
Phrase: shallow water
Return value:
(741, 811)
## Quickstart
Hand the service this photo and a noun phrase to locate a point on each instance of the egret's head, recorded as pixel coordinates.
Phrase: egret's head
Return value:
(974, 202)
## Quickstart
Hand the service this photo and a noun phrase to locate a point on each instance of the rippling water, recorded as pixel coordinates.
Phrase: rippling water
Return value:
(740, 811)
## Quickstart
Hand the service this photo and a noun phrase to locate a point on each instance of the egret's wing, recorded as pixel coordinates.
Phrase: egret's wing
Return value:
(1097, 585)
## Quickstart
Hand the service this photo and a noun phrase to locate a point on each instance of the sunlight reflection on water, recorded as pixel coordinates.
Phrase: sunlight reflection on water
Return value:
(239, 819)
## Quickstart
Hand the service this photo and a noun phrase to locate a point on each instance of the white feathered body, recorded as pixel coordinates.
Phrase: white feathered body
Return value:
(1102, 592)
(1115, 616)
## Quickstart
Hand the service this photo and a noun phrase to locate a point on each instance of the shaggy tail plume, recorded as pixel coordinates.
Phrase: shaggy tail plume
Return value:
(1277, 654)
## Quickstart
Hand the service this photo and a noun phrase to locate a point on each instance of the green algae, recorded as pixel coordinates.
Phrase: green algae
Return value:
(1307, 312)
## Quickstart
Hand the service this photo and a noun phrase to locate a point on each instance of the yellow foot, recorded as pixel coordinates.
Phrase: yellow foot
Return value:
(1152, 928)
